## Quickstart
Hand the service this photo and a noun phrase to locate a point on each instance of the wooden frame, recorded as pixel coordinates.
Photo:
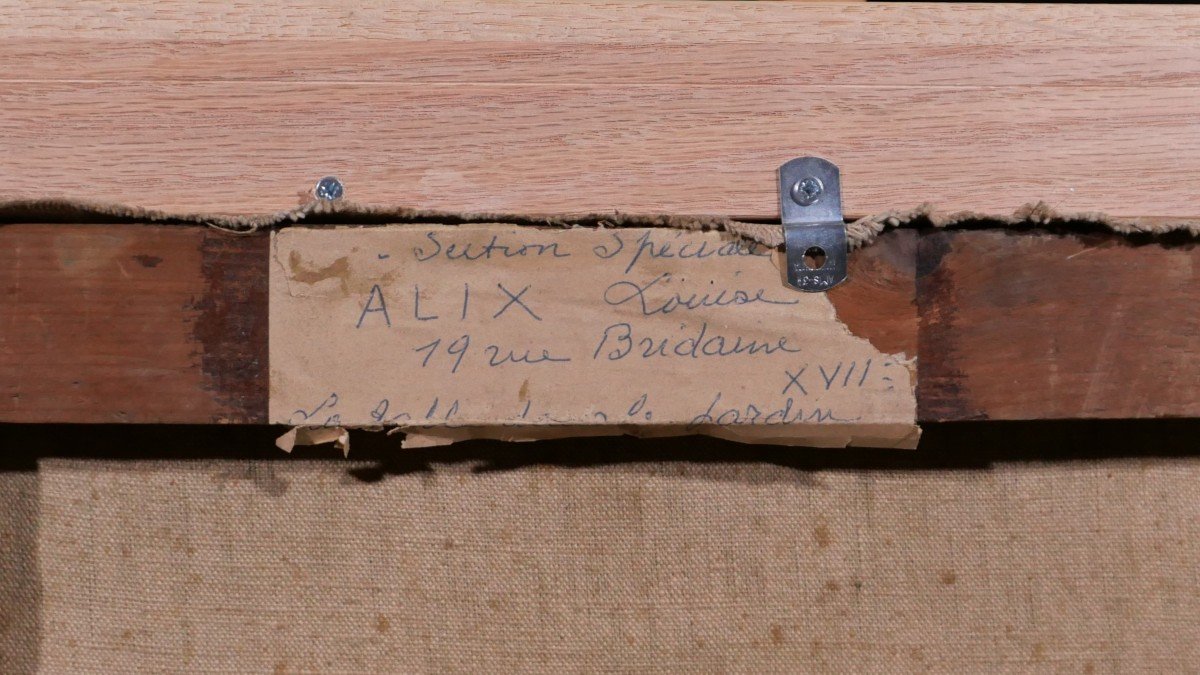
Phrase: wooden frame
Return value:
(646, 108)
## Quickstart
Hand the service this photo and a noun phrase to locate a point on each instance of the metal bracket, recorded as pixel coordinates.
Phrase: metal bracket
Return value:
(814, 232)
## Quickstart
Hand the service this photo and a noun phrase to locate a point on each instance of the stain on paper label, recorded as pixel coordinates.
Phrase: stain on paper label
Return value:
(517, 332)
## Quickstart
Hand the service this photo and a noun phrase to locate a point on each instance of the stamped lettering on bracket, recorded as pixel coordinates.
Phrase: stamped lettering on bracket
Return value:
(517, 332)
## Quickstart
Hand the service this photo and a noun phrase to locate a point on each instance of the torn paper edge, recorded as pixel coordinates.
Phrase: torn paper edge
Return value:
(897, 435)
(339, 436)
(860, 232)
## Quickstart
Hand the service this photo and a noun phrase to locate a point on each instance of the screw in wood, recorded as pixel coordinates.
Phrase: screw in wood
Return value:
(807, 190)
(329, 188)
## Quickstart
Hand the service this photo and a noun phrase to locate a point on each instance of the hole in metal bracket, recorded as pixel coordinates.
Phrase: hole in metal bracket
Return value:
(814, 257)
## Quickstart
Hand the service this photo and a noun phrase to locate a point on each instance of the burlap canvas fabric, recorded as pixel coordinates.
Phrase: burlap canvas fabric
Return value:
(20, 592)
(300, 566)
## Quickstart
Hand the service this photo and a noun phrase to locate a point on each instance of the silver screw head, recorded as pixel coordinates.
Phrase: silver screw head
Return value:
(329, 188)
(807, 191)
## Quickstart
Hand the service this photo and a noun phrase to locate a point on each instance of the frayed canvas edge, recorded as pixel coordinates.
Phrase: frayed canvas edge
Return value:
(860, 232)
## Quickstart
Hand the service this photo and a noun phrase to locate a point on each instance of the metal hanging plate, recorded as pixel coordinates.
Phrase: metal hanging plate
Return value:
(814, 231)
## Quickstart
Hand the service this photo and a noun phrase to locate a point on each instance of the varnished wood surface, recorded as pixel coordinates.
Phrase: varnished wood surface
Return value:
(131, 323)
(1021, 325)
(654, 107)
(149, 324)
(168, 324)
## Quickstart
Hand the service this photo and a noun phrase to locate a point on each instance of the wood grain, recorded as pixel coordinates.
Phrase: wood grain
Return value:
(1041, 326)
(651, 107)
(598, 21)
(130, 323)
(168, 324)
(572, 107)
(882, 277)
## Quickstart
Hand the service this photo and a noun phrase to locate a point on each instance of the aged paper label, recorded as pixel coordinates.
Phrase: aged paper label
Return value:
(516, 332)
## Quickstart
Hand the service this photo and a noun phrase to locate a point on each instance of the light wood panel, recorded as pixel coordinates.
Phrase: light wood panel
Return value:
(152, 324)
(653, 107)
(657, 21)
(572, 107)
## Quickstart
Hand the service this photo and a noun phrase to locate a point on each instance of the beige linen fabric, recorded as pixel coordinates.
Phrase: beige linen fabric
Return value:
(19, 588)
(241, 566)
